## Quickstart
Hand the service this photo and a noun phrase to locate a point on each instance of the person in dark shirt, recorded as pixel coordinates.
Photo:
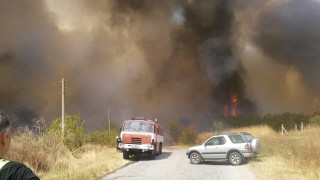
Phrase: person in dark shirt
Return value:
(9, 169)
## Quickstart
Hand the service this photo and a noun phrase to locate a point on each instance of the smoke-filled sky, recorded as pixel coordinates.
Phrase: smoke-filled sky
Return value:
(171, 60)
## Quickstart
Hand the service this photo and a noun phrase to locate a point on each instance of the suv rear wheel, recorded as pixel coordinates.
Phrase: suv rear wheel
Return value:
(195, 158)
(235, 158)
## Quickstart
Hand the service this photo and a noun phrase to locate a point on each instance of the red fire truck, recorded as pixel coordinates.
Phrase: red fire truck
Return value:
(140, 136)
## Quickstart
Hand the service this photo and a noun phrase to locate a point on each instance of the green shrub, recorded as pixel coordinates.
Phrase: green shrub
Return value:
(272, 120)
(218, 126)
(188, 137)
(315, 120)
(174, 130)
(103, 137)
(74, 130)
(243, 120)
(287, 119)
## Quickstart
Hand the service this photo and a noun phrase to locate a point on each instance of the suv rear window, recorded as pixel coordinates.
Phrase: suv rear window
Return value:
(236, 139)
(249, 137)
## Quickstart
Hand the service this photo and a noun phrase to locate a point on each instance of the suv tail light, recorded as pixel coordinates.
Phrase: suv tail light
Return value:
(246, 146)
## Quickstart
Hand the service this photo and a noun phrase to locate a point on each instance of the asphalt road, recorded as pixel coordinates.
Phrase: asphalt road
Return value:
(174, 164)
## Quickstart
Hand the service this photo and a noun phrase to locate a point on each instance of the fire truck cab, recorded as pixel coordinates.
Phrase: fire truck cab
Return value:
(140, 136)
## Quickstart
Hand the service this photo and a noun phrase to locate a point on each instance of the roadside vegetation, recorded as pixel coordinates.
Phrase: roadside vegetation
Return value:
(295, 155)
(78, 156)
(81, 155)
(188, 134)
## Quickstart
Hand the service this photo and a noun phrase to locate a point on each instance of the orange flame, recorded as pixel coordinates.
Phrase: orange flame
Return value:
(225, 110)
(234, 100)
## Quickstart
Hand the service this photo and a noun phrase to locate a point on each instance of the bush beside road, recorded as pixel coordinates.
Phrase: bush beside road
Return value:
(292, 156)
(295, 155)
(79, 156)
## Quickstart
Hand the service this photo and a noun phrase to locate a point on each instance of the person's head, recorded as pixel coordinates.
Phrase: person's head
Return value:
(5, 134)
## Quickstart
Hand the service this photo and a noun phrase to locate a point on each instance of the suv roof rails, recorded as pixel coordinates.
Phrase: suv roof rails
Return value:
(238, 133)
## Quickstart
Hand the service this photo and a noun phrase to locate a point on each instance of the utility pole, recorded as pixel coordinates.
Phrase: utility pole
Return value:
(108, 117)
(63, 113)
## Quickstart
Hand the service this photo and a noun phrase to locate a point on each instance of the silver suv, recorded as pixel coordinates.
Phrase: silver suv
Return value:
(235, 147)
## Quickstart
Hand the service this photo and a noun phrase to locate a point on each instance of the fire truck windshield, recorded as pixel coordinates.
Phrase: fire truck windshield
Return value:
(138, 127)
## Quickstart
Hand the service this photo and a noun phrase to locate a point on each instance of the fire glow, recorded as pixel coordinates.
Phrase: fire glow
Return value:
(234, 102)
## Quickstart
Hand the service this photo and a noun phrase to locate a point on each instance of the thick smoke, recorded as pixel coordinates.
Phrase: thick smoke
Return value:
(280, 41)
(171, 60)
(212, 23)
(117, 53)
(289, 33)
(27, 61)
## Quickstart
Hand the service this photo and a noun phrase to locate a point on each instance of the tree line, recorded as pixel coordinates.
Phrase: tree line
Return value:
(187, 134)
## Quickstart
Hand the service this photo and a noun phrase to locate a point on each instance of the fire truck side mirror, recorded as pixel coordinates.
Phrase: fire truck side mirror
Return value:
(158, 130)
(120, 129)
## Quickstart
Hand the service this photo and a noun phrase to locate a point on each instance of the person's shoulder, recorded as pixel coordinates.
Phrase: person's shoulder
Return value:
(17, 170)
(24, 172)
(13, 165)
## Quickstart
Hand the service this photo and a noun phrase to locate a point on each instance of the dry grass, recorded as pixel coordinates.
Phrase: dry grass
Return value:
(90, 162)
(292, 156)
(50, 160)
(37, 152)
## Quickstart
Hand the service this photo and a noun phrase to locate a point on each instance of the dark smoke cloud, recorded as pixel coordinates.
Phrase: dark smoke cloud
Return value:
(26, 61)
(289, 33)
(141, 59)
(213, 23)
(277, 42)
(217, 59)
(128, 54)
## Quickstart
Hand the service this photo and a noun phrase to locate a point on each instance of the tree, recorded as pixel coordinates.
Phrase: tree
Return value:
(218, 125)
(188, 137)
(193, 128)
(287, 119)
(74, 130)
(315, 120)
(174, 129)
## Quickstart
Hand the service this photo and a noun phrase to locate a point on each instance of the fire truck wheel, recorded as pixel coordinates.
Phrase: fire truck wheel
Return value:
(154, 152)
(137, 156)
(125, 155)
(160, 149)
